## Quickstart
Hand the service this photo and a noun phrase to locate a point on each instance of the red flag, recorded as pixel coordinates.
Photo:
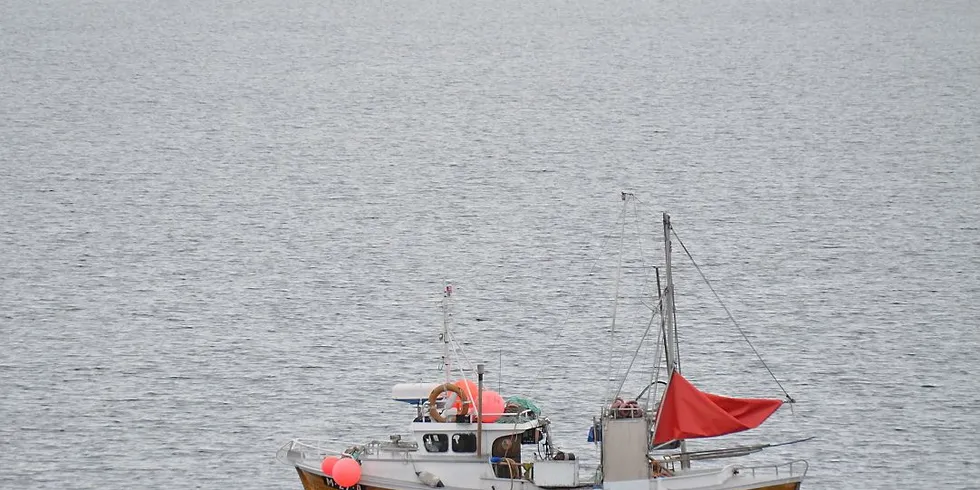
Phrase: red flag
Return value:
(688, 413)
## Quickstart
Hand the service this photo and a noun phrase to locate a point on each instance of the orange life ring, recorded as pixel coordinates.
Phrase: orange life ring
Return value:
(438, 390)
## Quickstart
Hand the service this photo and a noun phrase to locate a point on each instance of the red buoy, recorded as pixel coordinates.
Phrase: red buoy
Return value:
(347, 472)
(327, 465)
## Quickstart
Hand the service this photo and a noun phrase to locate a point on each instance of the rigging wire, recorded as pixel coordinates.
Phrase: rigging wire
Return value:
(568, 313)
(619, 272)
(657, 360)
(675, 347)
(623, 359)
(655, 312)
(457, 347)
(636, 354)
(644, 287)
(639, 244)
(730, 316)
(630, 198)
(661, 337)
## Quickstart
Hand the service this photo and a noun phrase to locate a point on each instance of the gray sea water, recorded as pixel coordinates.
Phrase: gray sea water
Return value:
(225, 224)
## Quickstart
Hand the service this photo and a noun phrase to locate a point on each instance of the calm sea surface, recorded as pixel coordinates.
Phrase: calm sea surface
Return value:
(226, 224)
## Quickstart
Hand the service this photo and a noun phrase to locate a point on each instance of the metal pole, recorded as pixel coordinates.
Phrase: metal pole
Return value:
(663, 335)
(673, 363)
(670, 339)
(479, 410)
(446, 364)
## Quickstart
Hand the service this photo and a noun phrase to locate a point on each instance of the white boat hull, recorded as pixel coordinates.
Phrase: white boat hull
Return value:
(399, 471)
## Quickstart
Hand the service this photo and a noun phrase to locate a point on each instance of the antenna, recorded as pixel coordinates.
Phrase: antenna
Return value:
(500, 367)
(446, 317)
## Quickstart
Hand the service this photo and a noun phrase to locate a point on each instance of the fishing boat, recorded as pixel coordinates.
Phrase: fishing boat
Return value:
(463, 436)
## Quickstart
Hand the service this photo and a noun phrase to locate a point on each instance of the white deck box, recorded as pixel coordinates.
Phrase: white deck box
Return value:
(556, 473)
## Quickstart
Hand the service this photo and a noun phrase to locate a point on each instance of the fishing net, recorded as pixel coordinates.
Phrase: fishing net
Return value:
(524, 404)
(517, 410)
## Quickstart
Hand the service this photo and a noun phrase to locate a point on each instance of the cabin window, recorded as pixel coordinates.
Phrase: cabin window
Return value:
(464, 443)
(436, 443)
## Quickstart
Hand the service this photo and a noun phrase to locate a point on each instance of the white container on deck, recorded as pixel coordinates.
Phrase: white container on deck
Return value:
(556, 473)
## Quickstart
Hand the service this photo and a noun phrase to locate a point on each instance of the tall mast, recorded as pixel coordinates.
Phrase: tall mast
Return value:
(670, 333)
(670, 336)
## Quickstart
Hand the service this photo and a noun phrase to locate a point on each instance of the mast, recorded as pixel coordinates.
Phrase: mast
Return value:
(444, 336)
(670, 324)
(670, 331)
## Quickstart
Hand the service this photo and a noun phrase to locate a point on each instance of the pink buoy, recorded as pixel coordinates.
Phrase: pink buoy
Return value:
(470, 390)
(347, 472)
(327, 465)
(493, 406)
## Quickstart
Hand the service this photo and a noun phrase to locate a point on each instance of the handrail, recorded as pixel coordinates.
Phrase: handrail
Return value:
(790, 464)
(315, 450)
(521, 417)
(306, 449)
(709, 454)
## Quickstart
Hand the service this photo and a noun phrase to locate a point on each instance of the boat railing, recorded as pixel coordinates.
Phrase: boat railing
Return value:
(305, 450)
(499, 417)
(788, 469)
(394, 445)
(311, 450)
